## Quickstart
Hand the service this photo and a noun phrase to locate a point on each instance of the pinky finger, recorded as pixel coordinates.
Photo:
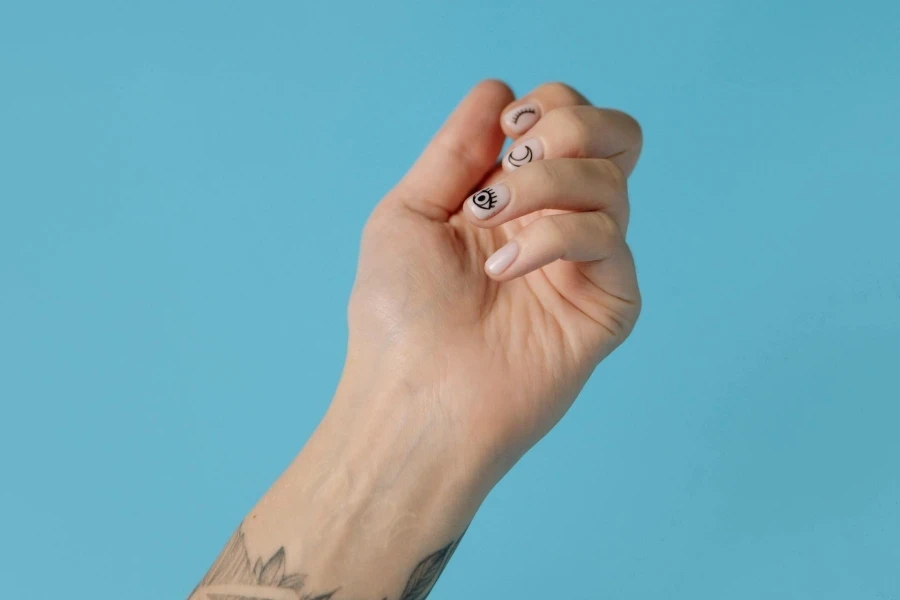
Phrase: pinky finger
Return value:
(577, 236)
(605, 286)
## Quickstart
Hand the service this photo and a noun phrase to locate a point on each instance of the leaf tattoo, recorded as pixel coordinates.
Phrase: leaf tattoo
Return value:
(272, 572)
(234, 577)
(426, 573)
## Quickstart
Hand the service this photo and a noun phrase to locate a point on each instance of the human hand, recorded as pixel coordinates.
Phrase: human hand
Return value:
(484, 298)
(494, 292)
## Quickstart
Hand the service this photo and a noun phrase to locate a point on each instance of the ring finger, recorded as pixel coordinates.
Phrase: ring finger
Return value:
(579, 132)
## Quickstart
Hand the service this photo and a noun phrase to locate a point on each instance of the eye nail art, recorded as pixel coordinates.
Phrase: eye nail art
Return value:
(522, 118)
(489, 201)
(486, 199)
(523, 153)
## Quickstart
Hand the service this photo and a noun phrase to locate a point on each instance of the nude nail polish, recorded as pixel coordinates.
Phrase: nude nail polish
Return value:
(500, 260)
(523, 153)
(521, 118)
(489, 201)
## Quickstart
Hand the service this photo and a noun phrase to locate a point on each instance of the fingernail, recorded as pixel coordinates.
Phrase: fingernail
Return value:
(523, 153)
(521, 118)
(489, 201)
(500, 260)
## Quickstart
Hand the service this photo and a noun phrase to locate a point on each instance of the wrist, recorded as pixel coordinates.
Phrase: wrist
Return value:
(398, 434)
(381, 476)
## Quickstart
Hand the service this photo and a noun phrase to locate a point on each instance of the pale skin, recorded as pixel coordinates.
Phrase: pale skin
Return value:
(457, 361)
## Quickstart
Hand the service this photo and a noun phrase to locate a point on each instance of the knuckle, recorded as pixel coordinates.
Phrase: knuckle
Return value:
(540, 179)
(633, 127)
(608, 229)
(553, 231)
(575, 133)
(471, 156)
(550, 176)
(562, 93)
(614, 176)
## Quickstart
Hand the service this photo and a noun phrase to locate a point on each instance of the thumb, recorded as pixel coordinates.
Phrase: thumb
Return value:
(460, 154)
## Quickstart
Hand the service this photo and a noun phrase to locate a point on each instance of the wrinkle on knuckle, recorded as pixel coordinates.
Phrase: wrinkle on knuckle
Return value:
(553, 231)
(580, 135)
(562, 92)
(614, 176)
(551, 177)
(611, 232)
(568, 133)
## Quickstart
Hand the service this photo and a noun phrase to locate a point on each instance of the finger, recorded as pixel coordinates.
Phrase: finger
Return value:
(604, 286)
(562, 184)
(577, 237)
(579, 132)
(460, 154)
(522, 114)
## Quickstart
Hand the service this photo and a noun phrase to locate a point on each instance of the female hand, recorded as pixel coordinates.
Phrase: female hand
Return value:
(493, 291)
(484, 298)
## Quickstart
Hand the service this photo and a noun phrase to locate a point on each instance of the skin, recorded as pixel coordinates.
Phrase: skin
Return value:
(453, 372)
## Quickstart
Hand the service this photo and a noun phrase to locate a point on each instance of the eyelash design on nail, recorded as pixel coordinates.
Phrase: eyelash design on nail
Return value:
(485, 199)
(520, 112)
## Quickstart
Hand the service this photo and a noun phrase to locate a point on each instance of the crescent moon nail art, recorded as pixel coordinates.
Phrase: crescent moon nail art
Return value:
(489, 201)
(523, 158)
(523, 153)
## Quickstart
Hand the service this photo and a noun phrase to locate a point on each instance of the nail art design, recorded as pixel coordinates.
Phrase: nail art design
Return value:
(489, 201)
(523, 153)
(521, 119)
(525, 110)
(486, 199)
(523, 158)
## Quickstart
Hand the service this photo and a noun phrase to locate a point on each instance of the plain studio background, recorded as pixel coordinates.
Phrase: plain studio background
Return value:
(183, 187)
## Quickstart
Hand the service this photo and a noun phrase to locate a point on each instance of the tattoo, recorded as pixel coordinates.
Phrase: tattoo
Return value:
(426, 573)
(235, 577)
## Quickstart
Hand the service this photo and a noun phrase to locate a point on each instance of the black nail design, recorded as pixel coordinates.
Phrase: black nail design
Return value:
(485, 199)
(518, 161)
(522, 111)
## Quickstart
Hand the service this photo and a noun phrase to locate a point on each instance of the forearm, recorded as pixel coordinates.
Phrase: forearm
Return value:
(372, 507)
(468, 340)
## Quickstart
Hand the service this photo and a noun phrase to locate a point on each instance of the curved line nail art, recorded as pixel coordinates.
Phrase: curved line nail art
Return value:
(520, 112)
(485, 199)
(518, 161)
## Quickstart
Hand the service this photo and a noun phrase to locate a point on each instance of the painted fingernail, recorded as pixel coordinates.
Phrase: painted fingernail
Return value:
(489, 201)
(500, 260)
(521, 118)
(523, 153)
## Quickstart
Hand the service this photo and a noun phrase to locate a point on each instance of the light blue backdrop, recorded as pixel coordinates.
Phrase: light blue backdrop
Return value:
(173, 284)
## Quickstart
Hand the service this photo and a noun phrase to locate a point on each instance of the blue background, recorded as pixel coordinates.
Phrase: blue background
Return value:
(172, 287)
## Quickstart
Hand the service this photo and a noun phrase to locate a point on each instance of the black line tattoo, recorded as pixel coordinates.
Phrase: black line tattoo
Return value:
(426, 573)
(522, 111)
(235, 577)
(486, 199)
